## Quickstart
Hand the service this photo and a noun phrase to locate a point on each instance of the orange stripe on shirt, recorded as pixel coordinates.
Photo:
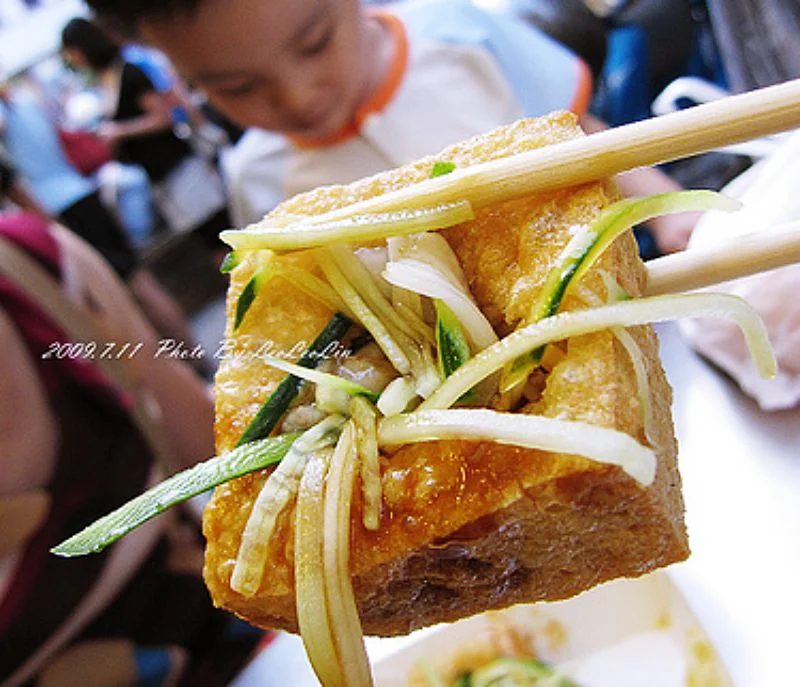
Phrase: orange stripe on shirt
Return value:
(583, 92)
(394, 75)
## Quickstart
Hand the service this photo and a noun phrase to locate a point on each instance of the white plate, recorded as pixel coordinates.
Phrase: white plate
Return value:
(627, 633)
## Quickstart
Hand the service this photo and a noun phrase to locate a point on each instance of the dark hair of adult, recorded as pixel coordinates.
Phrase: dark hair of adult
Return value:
(124, 15)
(91, 41)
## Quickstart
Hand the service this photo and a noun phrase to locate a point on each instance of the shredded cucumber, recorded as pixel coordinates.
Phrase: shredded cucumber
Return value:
(174, 490)
(450, 340)
(359, 229)
(248, 295)
(589, 244)
(230, 262)
(624, 314)
(420, 277)
(518, 672)
(279, 401)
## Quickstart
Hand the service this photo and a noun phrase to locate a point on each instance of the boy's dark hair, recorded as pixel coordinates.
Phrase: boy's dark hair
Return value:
(91, 41)
(124, 15)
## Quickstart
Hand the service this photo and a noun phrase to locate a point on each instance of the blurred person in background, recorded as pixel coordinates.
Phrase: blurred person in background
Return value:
(125, 189)
(188, 189)
(138, 613)
(14, 190)
(61, 193)
(190, 121)
(340, 92)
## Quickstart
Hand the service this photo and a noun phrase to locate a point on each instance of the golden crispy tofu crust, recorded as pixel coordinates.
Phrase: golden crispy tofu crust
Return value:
(468, 526)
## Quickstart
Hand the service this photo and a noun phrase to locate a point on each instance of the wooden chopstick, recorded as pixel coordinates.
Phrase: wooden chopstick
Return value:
(661, 139)
(654, 141)
(747, 255)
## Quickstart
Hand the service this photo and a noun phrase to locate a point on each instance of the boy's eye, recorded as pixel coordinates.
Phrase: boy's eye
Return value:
(235, 89)
(319, 43)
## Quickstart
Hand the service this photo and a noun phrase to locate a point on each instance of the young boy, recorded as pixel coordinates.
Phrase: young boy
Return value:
(352, 92)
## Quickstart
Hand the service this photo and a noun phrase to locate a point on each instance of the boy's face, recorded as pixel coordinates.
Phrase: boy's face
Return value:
(294, 66)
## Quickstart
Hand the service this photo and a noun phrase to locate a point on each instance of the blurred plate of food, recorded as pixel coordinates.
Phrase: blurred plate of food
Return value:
(625, 633)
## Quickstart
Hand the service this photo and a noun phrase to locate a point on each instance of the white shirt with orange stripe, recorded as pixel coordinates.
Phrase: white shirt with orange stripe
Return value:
(457, 71)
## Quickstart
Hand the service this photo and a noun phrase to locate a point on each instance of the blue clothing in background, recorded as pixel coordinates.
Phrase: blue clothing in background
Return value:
(34, 149)
(153, 64)
(157, 68)
(626, 91)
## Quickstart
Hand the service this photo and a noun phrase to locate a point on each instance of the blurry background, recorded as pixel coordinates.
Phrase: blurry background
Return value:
(635, 49)
(647, 57)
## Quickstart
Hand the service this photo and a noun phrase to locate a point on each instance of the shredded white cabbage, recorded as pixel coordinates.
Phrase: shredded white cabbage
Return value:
(421, 278)
(405, 301)
(424, 370)
(431, 249)
(396, 396)
(317, 376)
(313, 286)
(368, 319)
(343, 616)
(365, 420)
(529, 431)
(642, 383)
(277, 493)
(614, 290)
(374, 258)
(311, 599)
(329, 399)
(364, 284)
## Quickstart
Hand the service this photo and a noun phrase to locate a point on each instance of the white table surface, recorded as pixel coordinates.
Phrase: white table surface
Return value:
(741, 478)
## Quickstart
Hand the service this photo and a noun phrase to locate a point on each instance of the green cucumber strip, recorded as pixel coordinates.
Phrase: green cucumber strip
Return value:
(174, 490)
(451, 343)
(624, 214)
(280, 399)
(230, 263)
(450, 340)
(441, 168)
(518, 671)
(428, 671)
(248, 295)
(573, 264)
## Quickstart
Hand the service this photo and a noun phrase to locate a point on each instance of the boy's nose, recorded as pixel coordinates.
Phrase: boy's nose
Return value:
(301, 103)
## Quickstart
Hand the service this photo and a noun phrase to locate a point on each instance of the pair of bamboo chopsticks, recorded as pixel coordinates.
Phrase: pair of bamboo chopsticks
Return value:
(654, 141)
